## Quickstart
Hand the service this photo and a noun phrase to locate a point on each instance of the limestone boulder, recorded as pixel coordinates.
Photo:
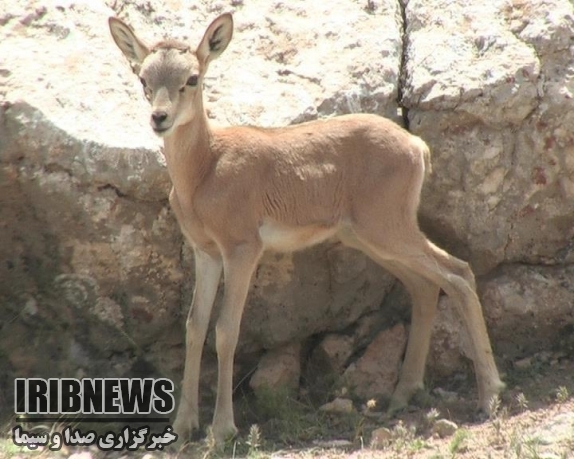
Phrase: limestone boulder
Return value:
(278, 369)
(376, 372)
(288, 61)
(87, 240)
(488, 86)
(531, 308)
(95, 278)
(527, 309)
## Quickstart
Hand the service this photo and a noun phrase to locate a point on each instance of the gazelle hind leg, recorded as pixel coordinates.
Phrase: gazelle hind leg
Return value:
(424, 298)
(415, 252)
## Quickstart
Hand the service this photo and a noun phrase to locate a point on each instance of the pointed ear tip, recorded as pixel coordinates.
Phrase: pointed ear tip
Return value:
(227, 17)
(114, 22)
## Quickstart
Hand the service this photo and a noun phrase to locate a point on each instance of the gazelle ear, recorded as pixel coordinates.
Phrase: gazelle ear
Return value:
(132, 47)
(216, 38)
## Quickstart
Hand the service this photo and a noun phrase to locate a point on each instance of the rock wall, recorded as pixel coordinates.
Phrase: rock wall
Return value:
(95, 278)
(489, 87)
(493, 98)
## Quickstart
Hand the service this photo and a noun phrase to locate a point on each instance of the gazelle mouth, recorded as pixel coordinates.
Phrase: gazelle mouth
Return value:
(161, 131)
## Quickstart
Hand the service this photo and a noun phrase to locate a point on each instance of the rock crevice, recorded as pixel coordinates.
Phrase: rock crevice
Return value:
(402, 66)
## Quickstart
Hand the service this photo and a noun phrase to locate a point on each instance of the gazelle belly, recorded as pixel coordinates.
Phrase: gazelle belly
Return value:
(282, 238)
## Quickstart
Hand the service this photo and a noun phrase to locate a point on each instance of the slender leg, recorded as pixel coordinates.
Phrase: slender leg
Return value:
(424, 297)
(207, 275)
(413, 251)
(458, 282)
(238, 266)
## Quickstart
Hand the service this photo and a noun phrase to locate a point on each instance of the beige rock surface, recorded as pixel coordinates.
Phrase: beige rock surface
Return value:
(376, 372)
(488, 87)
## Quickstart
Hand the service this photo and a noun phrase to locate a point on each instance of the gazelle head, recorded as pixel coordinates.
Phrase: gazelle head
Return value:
(171, 72)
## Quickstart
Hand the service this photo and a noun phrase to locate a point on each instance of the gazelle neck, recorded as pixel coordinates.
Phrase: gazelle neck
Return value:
(188, 155)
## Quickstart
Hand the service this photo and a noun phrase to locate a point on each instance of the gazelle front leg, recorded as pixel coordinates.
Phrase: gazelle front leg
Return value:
(207, 275)
(239, 264)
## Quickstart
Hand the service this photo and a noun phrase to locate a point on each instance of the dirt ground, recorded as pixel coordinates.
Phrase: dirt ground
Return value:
(534, 420)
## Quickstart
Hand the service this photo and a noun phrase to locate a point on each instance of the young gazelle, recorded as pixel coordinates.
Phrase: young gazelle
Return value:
(240, 190)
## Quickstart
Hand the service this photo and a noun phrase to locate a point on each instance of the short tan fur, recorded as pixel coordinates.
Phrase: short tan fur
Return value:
(240, 190)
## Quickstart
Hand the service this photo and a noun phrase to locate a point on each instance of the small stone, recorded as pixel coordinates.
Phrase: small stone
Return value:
(446, 395)
(339, 405)
(333, 443)
(31, 307)
(544, 356)
(524, 363)
(335, 350)
(376, 372)
(444, 428)
(279, 368)
(381, 437)
(82, 455)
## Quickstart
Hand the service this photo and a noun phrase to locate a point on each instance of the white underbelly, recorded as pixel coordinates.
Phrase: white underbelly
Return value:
(288, 239)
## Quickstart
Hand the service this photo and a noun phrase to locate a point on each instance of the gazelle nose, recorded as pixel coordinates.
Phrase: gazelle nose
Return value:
(158, 116)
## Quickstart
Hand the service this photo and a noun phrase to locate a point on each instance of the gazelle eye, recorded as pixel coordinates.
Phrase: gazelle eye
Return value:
(192, 80)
